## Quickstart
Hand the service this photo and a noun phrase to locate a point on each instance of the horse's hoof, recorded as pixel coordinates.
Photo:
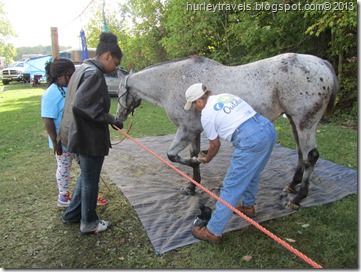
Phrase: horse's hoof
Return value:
(288, 189)
(187, 191)
(292, 206)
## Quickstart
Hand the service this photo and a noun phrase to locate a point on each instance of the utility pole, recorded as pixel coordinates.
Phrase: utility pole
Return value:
(54, 43)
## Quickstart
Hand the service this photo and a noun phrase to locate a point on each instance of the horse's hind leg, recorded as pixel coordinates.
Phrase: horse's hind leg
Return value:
(307, 158)
(297, 178)
(302, 193)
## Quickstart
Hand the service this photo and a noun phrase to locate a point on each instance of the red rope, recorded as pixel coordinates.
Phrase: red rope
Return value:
(258, 226)
(125, 136)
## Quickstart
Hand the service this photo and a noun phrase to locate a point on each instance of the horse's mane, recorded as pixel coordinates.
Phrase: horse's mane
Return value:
(195, 58)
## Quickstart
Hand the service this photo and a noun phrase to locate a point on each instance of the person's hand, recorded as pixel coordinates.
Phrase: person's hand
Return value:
(202, 156)
(117, 124)
(202, 159)
(58, 150)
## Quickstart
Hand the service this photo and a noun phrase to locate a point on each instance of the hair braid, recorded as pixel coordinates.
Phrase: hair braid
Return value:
(57, 68)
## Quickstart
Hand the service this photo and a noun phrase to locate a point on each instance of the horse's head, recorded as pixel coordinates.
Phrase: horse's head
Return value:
(128, 99)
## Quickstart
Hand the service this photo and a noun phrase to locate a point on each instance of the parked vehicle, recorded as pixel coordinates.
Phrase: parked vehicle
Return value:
(112, 81)
(15, 72)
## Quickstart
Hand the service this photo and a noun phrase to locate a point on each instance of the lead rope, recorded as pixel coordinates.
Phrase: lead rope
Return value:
(129, 128)
(258, 226)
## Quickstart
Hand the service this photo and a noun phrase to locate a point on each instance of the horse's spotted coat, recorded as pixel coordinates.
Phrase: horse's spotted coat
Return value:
(303, 87)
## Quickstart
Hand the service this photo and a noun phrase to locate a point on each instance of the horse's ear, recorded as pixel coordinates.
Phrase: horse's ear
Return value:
(131, 71)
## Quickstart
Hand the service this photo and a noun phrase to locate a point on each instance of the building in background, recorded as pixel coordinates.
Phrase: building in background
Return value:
(25, 57)
(76, 54)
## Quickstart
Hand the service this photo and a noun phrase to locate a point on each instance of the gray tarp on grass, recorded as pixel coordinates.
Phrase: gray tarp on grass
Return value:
(152, 188)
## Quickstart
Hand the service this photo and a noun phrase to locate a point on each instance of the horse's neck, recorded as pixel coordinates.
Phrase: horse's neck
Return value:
(147, 89)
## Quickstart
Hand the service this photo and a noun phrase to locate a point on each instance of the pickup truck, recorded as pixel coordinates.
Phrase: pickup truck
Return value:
(15, 72)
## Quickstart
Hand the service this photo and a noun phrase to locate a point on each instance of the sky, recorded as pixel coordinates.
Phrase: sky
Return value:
(32, 20)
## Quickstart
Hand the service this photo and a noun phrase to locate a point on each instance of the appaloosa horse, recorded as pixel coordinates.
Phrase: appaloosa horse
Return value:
(303, 87)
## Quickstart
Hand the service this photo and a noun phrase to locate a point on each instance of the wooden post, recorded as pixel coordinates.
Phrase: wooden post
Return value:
(54, 43)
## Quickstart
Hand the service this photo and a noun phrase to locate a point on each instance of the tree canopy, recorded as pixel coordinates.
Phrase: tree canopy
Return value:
(7, 50)
(153, 31)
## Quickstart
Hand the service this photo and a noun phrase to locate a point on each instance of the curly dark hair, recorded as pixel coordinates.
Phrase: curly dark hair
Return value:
(108, 42)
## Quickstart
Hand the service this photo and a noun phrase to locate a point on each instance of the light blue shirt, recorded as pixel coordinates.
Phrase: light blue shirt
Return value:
(52, 104)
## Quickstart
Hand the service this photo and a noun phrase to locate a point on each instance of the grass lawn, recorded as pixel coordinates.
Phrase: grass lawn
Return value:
(33, 236)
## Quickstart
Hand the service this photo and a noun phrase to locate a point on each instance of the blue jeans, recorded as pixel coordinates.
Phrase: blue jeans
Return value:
(85, 196)
(253, 142)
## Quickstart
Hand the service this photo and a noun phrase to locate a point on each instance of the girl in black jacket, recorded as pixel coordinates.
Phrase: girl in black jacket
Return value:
(84, 130)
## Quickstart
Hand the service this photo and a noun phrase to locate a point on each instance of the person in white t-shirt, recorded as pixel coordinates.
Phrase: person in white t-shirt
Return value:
(253, 137)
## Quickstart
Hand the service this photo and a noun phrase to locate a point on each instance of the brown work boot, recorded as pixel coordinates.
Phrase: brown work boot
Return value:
(247, 210)
(202, 233)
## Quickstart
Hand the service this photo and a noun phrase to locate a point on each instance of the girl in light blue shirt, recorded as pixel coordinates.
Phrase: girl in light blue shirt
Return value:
(58, 75)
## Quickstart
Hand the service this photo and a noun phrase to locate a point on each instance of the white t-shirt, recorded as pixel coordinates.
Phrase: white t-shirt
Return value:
(223, 114)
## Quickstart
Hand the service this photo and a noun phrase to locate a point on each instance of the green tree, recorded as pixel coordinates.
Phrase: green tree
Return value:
(115, 22)
(7, 49)
(341, 25)
(138, 26)
(268, 31)
(145, 32)
(192, 29)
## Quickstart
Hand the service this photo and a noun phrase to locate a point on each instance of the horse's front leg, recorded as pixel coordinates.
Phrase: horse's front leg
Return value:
(180, 142)
(194, 151)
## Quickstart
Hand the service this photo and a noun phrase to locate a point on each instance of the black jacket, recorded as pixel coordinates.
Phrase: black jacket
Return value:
(84, 127)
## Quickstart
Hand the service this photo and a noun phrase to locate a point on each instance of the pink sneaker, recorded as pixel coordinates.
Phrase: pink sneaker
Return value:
(101, 201)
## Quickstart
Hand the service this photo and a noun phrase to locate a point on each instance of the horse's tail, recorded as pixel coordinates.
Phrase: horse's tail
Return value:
(331, 102)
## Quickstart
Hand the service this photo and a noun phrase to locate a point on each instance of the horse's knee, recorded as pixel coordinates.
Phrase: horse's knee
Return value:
(172, 158)
(192, 162)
